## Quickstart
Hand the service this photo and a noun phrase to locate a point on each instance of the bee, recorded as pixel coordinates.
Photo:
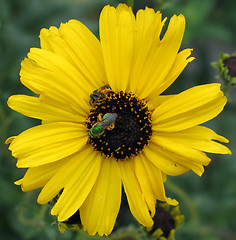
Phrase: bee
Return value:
(107, 122)
(100, 92)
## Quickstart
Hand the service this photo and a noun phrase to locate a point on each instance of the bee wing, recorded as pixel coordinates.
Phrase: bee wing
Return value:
(109, 118)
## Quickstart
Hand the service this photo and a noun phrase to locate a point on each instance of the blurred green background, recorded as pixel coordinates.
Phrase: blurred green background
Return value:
(209, 202)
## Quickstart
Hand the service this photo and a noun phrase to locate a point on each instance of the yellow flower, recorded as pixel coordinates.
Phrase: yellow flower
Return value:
(86, 156)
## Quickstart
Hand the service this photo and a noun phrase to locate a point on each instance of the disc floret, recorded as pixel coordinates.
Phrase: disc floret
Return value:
(132, 127)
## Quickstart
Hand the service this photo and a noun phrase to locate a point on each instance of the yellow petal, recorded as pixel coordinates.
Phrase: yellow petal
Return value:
(180, 149)
(45, 38)
(50, 112)
(116, 34)
(148, 27)
(151, 182)
(137, 203)
(197, 138)
(10, 139)
(53, 76)
(85, 52)
(48, 143)
(161, 58)
(180, 63)
(37, 177)
(62, 177)
(77, 44)
(189, 108)
(164, 160)
(77, 179)
(19, 182)
(156, 100)
(157, 178)
(145, 182)
(178, 164)
(99, 211)
(163, 176)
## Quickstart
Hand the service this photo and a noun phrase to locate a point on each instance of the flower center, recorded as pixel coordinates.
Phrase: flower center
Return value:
(119, 124)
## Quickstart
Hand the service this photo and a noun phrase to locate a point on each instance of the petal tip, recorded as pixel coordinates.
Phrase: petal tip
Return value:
(10, 139)
(19, 182)
(191, 59)
(40, 200)
(60, 217)
(10, 101)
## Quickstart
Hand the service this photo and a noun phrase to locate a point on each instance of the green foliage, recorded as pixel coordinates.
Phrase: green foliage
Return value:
(208, 203)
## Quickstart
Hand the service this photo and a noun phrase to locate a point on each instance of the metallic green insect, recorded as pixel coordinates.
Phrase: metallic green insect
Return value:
(107, 122)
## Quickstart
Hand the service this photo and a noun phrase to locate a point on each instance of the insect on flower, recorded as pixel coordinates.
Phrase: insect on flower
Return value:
(98, 93)
(107, 122)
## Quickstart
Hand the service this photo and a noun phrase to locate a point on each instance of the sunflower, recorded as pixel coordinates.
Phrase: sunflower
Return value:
(105, 124)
